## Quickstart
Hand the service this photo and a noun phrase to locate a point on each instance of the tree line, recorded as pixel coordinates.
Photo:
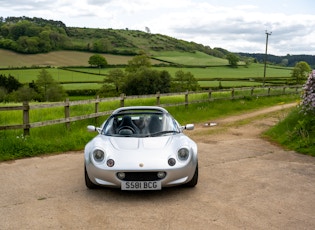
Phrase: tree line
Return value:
(26, 35)
(287, 60)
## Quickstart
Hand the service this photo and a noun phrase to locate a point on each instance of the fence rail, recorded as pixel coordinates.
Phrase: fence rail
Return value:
(225, 94)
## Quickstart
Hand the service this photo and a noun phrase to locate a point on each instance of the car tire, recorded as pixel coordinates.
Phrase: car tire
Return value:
(193, 182)
(88, 182)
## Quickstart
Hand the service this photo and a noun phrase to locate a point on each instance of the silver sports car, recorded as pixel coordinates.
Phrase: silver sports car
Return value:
(140, 148)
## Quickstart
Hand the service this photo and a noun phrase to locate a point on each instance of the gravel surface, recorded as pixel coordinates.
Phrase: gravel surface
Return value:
(245, 182)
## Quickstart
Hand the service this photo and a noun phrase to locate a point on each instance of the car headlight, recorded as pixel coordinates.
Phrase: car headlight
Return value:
(98, 155)
(183, 154)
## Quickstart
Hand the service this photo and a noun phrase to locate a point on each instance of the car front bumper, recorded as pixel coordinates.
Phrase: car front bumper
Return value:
(175, 175)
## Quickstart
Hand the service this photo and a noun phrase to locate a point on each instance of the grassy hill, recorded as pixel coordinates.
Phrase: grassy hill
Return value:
(10, 59)
(36, 42)
(38, 36)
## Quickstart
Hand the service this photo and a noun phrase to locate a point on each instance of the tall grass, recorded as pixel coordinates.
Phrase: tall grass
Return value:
(295, 132)
(57, 139)
(45, 114)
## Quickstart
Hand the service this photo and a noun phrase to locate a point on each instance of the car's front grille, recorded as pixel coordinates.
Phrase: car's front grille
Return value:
(141, 176)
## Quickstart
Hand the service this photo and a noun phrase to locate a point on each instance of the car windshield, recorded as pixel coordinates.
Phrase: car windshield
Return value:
(140, 124)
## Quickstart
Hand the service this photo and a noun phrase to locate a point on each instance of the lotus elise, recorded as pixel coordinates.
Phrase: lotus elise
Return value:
(140, 148)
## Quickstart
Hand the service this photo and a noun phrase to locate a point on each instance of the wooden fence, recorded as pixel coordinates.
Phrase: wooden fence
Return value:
(227, 94)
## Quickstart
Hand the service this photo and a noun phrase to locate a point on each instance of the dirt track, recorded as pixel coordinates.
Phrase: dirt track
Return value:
(245, 183)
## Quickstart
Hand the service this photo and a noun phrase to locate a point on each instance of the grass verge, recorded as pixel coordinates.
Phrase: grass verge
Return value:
(57, 139)
(295, 132)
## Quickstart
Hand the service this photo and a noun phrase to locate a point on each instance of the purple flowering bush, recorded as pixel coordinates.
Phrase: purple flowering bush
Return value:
(308, 98)
(297, 130)
(303, 133)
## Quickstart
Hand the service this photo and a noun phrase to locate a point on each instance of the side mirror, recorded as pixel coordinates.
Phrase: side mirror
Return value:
(189, 126)
(91, 128)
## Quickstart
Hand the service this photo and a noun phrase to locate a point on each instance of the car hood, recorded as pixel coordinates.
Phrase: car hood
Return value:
(134, 153)
(140, 143)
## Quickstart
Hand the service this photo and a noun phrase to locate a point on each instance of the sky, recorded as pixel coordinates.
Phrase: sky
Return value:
(234, 25)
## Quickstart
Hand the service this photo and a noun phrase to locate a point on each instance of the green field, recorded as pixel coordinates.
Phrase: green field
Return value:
(60, 75)
(88, 78)
(186, 58)
(9, 59)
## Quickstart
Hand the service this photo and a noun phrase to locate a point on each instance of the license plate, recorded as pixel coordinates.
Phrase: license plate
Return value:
(141, 185)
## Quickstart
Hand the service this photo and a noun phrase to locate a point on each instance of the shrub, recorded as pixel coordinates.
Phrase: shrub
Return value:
(308, 98)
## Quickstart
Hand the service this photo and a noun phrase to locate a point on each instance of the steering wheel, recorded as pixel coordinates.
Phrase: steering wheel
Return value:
(126, 130)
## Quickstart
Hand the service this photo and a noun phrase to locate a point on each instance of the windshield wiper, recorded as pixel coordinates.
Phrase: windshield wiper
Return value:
(162, 132)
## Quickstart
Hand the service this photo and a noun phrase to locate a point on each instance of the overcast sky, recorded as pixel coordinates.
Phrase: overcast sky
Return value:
(235, 25)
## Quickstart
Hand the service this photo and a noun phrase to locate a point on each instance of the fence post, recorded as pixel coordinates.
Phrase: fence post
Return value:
(67, 112)
(122, 100)
(252, 91)
(268, 91)
(186, 99)
(209, 94)
(232, 92)
(158, 95)
(26, 118)
(97, 107)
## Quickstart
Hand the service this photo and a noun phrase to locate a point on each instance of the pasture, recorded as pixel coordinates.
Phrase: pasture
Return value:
(190, 59)
(208, 70)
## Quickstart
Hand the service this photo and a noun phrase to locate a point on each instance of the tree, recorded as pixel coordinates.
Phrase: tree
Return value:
(184, 81)
(147, 81)
(102, 45)
(48, 88)
(9, 83)
(138, 61)
(116, 77)
(147, 29)
(165, 86)
(97, 60)
(24, 93)
(45, 43)
(28, 44)
(301, 72)
(3, 93)
(233, 59)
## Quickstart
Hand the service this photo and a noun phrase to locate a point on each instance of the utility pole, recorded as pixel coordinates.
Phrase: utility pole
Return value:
(267, 35)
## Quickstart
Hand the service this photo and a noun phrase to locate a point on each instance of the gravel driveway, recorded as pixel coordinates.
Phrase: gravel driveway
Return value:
(245, 182)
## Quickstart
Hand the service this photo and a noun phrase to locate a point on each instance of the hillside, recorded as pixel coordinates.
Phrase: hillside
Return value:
(37, 35)
(26, 35)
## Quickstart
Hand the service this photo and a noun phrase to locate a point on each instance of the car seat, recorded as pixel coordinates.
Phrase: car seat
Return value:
(127, 123)
(155, 125)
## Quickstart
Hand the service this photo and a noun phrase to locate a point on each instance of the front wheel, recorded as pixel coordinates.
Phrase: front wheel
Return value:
(193, 182)
(88, 182)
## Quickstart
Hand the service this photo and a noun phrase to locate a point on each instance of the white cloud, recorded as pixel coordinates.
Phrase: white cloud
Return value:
(238, 26)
